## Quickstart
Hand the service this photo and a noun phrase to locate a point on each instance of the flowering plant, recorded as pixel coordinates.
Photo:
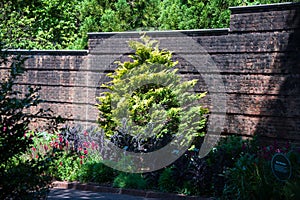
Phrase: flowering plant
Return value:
(251, 176)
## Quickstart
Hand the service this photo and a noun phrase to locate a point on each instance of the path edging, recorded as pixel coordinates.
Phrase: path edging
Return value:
(132, 192)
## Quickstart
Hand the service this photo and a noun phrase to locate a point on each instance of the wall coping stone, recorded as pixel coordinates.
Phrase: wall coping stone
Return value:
(169, 33)
(264, 8)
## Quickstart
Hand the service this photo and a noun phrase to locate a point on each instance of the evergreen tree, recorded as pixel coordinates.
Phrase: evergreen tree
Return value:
(147, 103)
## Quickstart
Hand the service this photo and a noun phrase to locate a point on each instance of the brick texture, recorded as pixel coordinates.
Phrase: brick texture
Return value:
(257, 61)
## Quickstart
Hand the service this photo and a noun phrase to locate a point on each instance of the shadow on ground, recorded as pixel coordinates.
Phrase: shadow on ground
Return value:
(57, 194)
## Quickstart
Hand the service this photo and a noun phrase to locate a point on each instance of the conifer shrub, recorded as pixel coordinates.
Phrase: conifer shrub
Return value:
(147, 103)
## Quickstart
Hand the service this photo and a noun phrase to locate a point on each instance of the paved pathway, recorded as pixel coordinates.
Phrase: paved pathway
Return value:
(57, 194)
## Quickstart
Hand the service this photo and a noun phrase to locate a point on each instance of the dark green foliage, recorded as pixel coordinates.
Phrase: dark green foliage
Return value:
(13, 122)
(224, 156)
(127, 180)
(19, 177)
(166, 181)
(66, 166)
(96, 172)
(40, 24)
(199, 14)
(234, 169)
(192, 175)
(25, 179)
(251, 176)
(64, 24)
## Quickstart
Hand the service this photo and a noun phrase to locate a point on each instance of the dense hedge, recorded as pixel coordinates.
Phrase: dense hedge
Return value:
(63, 24)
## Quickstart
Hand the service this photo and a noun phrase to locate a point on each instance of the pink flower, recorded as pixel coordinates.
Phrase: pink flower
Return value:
(60, 139)
(85, 133)
(4, 128)
(33, 149)
(81, 159)
(85, 144)
(55, 144)
(85, 151)
(94, 145)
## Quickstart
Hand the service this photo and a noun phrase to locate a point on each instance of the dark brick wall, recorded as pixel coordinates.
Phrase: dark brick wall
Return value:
(257, 59)
(284, 16)
(61, 76)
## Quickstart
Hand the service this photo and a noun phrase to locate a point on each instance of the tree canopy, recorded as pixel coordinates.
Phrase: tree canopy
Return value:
(63, 24)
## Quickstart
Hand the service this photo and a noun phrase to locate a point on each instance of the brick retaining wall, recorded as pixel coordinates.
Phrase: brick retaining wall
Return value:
(257, 58)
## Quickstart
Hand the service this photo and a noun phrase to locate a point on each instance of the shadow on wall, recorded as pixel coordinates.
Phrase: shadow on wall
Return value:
(283, 101)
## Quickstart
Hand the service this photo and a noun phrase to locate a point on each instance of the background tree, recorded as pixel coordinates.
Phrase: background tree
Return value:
(64, 24)
(41, 24)
(117, 18)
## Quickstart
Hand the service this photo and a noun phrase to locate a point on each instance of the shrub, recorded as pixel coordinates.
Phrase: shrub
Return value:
(128, 180)
(192, 175)
(224, 156)
(20, 177)
(166, 181)
(96, 172)
(251, 176)
(78, 156)
(73, 145)
(147, 103)
(66, 166)
(25, 179)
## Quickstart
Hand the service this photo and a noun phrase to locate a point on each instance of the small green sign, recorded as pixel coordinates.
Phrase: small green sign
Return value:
(281, 167)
